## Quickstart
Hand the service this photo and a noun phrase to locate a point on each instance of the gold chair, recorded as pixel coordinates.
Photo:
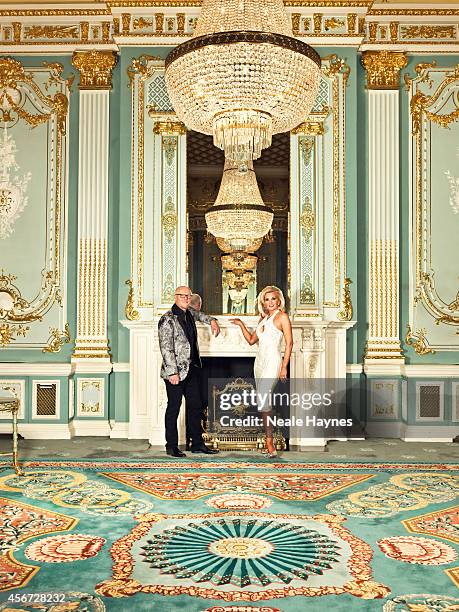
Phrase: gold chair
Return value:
(11, 404)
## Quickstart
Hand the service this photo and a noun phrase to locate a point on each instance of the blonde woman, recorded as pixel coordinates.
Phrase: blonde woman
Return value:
(273, 326)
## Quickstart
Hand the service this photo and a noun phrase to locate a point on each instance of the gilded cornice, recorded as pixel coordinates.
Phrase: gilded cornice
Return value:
(122, 22)
(383, 68)
(95, 68)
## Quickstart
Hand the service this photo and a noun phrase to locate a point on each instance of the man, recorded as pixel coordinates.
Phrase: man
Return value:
(178, 342)
(196, 304)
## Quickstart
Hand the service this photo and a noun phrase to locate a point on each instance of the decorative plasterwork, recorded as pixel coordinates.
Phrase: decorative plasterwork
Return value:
(36, 98)
(318, 197)
(129, 310)
(95, 68)
(158, 176)
(57, 339)
(90, 397)
(418, 341)
(120, 23)
(434, 106)
(383, 68)
(346, 313)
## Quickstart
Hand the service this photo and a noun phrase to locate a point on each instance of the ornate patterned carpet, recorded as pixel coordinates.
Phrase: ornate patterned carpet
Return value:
(226, 535)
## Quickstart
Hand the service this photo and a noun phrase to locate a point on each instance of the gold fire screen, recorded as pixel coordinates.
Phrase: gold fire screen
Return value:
(227, 438)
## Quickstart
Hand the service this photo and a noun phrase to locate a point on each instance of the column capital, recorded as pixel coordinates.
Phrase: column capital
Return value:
(309, 128)
(383, 68)
(95, 68)
(169, 127)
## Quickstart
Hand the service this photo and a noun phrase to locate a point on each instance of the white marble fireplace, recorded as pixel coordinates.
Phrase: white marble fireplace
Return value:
(319, 351)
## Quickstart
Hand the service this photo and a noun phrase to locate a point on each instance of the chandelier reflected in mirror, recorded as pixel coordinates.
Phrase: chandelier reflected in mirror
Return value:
(239, 212)
(242, 76)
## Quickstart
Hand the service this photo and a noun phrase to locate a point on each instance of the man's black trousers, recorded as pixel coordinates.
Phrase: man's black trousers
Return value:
(190, 390)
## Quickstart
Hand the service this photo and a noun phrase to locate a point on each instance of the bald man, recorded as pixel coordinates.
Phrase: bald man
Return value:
(181, 368)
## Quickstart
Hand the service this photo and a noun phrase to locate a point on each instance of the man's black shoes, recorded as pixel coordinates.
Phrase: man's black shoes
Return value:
(175, 452)
(204, 450)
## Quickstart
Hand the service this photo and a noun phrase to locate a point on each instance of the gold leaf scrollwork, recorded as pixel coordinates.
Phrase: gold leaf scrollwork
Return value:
(346, 313)
(12, 74)
(307, 220)
(95, 68)
(383, 68)
(169, 127)
(336, 65)
(57, 339)
(307, 295)
(9, 333)
(169, 220)
(169, 144)
(139, 65)
(419, 104)
(129, 310)
(418, 341)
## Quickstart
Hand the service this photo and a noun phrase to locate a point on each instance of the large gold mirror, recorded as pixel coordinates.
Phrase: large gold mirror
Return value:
(228, 283)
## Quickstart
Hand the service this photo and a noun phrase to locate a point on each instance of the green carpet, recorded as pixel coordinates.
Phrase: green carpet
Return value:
(223, 534)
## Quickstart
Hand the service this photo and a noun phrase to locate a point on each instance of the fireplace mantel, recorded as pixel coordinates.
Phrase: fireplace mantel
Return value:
(319, 351)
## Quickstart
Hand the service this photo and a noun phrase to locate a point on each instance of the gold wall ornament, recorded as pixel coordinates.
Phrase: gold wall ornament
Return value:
(317, 18)
(333, 23)
(140, 65)
(333, 65)
(351, 23)
(393, 29)
(95, 68)
(307, 220)
(169, 145)
(169, 220)
(418, 106)
(57, 339)
(346, 313)
(307, 295)
(129, 310)
(159, 23)
(296, 17)
(140, 23)
(9, 333)
(419, 69)
(427, 31)
(309, 128)
(51, 32)
(12, 304)
(418, 341)
(383, 68)
(175, 128)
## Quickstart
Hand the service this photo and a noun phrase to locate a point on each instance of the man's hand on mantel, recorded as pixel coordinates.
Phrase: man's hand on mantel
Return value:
(215, 327)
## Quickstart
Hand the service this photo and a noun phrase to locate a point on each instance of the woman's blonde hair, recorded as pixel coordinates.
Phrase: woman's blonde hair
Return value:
(261, 297)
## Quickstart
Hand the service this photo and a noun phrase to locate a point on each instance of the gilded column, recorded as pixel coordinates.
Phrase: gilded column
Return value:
(383, 78)
(95, 69)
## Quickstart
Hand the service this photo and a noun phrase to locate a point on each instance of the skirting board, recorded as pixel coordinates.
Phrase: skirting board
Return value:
(42, 431)
(411, 433)
(119, 430)
(90, 428)
(426, 433)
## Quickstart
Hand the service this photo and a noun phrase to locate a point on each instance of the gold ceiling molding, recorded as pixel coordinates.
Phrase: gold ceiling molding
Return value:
(422, 12)
(197, 3)
(383, 68)
(57, 12)
(95, 68)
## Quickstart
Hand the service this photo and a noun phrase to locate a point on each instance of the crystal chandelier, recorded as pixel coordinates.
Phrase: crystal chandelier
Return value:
(239, 213)
(242, 76)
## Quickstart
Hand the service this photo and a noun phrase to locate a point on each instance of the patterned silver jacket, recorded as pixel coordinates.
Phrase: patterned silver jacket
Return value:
(174, 345)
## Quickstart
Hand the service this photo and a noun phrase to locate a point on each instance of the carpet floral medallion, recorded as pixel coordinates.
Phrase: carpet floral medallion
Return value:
(220, 535)
(241, 556)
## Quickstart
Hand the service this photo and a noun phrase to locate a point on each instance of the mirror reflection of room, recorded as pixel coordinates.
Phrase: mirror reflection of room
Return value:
(229, 274)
